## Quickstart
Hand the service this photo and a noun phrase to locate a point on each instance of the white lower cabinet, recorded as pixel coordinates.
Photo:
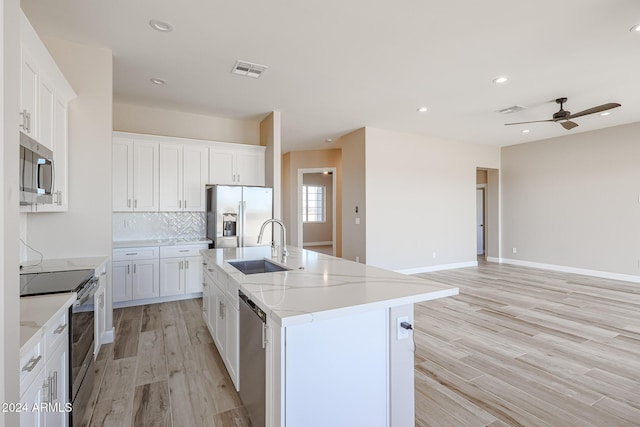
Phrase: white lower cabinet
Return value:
(44, 377)
(181, 269)
(223, 318)
(136, 273)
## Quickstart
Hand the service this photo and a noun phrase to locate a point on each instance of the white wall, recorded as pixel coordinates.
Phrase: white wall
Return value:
(158, 121)
(574, 201)
(9, 202)
(85, 230)
(421, 199)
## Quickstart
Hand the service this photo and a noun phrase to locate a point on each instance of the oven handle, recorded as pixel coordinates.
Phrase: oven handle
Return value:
(86, 292)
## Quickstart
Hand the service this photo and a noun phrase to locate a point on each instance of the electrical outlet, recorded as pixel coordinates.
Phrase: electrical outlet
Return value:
(357, 220)
(514, 250)
(434, 255)
(357, 258)
(402, 332)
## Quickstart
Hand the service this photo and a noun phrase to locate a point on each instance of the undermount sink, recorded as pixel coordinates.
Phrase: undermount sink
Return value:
(255, 266)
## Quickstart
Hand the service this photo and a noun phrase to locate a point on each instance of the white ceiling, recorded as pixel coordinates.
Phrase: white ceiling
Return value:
(336, 65)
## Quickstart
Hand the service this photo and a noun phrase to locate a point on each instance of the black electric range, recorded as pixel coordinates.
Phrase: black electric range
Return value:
(53, 282)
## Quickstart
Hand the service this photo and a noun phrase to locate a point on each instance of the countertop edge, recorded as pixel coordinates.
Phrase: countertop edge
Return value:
(35, 335)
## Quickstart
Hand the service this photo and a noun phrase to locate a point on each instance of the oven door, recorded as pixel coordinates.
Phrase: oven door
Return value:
(81, 343)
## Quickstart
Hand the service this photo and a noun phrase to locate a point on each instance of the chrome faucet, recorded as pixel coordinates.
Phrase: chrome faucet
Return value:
(283, 235)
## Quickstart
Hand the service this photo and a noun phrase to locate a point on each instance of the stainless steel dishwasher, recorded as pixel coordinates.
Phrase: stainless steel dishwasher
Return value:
(252, 360)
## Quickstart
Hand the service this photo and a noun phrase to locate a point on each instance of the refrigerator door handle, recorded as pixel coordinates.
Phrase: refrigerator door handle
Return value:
(244, 221)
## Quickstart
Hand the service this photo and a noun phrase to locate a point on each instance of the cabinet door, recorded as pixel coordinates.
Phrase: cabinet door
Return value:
(45, 112)
(28, 94)
(193, 274)
(171, 199)
(196, 173)
(221, 166)
(145, 176)
(122, 174)
(172, 276)
(60, 153)
(232, 350)
(250, 168)
(100, 315)
(121, 281)
(33, 395)
(146, 282)
(56, 372)
(220, 327)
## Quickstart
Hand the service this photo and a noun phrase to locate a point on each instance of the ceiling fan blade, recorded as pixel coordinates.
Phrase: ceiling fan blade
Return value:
(524, 123)
(598, 109)
(568, 125)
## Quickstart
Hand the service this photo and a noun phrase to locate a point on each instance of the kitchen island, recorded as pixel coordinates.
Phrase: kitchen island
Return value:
(335, 351)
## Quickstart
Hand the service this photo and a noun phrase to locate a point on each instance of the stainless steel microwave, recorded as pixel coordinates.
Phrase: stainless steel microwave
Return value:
(36, 172)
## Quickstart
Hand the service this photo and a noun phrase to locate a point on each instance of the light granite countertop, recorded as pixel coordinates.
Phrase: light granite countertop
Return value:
(158, 242)
(64, 264)
(321, 286)
(35, 314)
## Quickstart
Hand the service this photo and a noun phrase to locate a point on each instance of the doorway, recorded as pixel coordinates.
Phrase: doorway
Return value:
(317, 210)
(487, 215)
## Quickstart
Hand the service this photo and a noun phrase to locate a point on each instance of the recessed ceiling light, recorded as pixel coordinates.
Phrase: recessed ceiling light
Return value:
(161, 26)
(328, 140)
(501, 79)
(157, 81)
(635, 28)
(606, 113)
(422, 109)
(525, 131)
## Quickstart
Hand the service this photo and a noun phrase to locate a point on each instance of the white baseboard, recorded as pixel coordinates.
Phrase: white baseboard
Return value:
(135, 302)
(107, 336)
(493, 259)
(318, 243)
(438, 267)
(574, 270)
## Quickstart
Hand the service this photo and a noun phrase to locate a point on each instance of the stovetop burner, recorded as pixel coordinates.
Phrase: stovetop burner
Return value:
(53, 282)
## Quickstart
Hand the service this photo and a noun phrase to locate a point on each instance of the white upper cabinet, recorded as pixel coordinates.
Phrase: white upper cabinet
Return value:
(243, 165)
(183, 176)
(44, 99)
(28, 93)
(135, 175)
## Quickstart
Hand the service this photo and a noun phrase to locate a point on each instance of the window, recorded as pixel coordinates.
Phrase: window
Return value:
(313, 203)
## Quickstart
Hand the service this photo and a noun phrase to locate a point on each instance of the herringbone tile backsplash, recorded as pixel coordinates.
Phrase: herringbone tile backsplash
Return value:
(158, 225)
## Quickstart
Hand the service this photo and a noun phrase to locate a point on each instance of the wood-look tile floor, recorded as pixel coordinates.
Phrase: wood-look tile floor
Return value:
(163, 370)
(517, 347)
(527, 347)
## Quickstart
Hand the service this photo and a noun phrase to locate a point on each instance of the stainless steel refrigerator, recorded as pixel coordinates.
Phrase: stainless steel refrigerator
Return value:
(236, 213)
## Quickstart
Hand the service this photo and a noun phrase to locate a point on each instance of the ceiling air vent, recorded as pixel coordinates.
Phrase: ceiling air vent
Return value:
(513, 109)
(249, 69)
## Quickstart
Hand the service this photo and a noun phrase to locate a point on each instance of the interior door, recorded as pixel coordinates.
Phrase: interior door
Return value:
(480, 219)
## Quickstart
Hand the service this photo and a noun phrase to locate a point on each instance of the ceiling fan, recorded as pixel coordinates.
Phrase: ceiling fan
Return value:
(564, 117)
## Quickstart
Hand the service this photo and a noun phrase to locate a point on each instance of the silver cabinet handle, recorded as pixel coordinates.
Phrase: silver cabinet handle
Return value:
(134, 268)
(54, 389)
(187, 264)
(135, 203)
(128, 269)
(28, 122)
(238, 177)
(102, 300)
(60, 328)
(31, 364)
(183, 250)
(47, 396)
(185, 203)
(180, 204)
(180, 268)
(128, 203)
(132, 253)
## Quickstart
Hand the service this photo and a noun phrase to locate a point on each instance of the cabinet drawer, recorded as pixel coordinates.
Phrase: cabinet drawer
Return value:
(56, 332)
(128, 254)
(31, 363)
(181, 251)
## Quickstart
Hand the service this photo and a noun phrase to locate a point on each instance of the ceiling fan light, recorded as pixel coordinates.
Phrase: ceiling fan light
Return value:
(500, 80)
(422, 109)
(157, 81)
(525, 131)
